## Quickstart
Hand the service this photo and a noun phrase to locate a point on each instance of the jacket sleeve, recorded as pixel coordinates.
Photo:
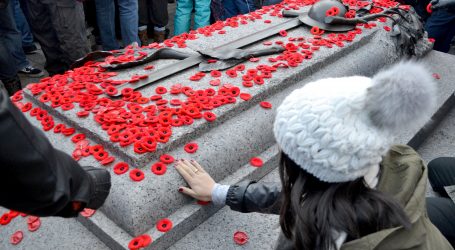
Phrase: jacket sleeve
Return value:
(249, 196)
(38, 179)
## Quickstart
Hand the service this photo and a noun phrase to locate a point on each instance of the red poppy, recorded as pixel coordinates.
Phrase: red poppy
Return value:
(436, 76)
(245, 96)
(160, 90)
(215, 82)
(266, 105)
(149, 67)
(27, 106)
(99, 156)
(191, 147)
(87, 212)
(146, 239)
(203, 203)
(209, 116)
(247, 84)
(107, 161)
(82, 113)
(136, 175)
(164, 225)
(215, 73)
(78, 137)
(256, 162)
(33, 226)
(167, 159)
(5, 219)
(240, 238)
(16, 238)
(283, 33)
(159, 168)
(121, 168)
(429, 10)
(136, 243)
(387, 28)
(111, 90)
(431, 40)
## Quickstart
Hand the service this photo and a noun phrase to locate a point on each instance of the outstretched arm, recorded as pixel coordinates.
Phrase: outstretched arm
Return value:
(38, 179)
(245, 197)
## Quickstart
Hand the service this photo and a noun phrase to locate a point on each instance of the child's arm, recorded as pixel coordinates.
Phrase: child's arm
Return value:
(244, 197)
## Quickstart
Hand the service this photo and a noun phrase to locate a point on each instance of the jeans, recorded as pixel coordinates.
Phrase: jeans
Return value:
(441, 210)
(129, 18)
(236, 7)
(22, 25)
(182, 19)
(13, 55)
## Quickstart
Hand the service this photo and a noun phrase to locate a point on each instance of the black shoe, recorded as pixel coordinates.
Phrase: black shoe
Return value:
(32, 49)
(170, 1)
(12, 85)
(31, 71)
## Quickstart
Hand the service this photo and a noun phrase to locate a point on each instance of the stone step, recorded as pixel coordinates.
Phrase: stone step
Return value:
(217, 232)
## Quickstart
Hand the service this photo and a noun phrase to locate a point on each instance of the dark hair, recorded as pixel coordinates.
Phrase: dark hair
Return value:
(312, 208)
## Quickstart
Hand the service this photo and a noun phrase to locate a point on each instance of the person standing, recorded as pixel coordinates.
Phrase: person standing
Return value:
(182, 21)
(158, 17)
(237, 7)
(12, 56)
(129, 18)
(28, 44)
(59, 27)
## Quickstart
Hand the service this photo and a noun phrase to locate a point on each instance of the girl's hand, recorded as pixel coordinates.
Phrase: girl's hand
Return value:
(200, 182)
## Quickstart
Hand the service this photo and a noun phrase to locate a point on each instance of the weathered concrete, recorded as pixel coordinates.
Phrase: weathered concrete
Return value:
(241, 131)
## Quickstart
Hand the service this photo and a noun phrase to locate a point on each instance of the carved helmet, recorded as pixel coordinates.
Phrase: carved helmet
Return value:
(320, 10)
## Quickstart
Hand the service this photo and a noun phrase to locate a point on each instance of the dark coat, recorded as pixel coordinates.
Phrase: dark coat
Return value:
(36, 178)
(403, 176)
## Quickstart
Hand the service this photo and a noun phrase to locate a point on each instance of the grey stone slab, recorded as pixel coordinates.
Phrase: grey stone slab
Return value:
(54, 233)
(441, 143)
(217, 232)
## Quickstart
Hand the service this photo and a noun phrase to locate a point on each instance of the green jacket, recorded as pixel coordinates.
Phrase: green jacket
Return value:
(404, 176)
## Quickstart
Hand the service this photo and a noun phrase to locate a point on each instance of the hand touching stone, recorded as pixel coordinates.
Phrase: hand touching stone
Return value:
(200, 182)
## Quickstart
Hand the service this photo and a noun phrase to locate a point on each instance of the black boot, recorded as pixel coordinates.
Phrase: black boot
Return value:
(12, 85)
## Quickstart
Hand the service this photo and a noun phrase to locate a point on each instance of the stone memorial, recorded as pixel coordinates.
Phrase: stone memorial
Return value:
(222, 118)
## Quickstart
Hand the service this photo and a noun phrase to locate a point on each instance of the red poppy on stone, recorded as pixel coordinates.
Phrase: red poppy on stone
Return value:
(111, 90)
(203, 203)
(209, 116)
(387, 28)
(283, 33)
(121, 168)
(16, 238)
(27, 106)
(149, 67)
(160, 90)
(268, 43)
(136, 243)
(164, 225)
(78, 137)
(159, 168)
(240, 238)
(256, 162)
(136, 175)
(32, 227)
(32, 219)
(167, 159)
(266, 105)
(245, 96)
(191, 147)
(82, 113)
(107, 161)
(87, 212)
(215, 73)
(436, 76)
(231, 73)
(254, 59)
(5, 219)
(147, 240)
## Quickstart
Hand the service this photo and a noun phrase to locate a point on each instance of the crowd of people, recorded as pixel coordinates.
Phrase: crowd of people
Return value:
(343, 184)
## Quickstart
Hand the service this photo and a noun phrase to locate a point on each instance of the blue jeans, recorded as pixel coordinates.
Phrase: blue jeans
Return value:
(129, 18)
(182, 19)
(22, 25)
(11, 41)
(236, 7)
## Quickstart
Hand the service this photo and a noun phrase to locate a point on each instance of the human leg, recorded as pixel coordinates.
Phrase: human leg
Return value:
(12, 37)
(105, 16)
(22, 26)
(68, 21)
(441, 212)
(230, 9)
(440, 25)
(245, 6)
(202, 15)
(182, 19)
(129, 19)
(158, 18)
(441, 173)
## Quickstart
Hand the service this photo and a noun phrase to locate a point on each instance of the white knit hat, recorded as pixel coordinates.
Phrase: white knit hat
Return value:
(338, 129)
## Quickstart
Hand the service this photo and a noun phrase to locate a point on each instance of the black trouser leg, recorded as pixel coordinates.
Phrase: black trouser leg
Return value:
(441, 173)
(441, 212)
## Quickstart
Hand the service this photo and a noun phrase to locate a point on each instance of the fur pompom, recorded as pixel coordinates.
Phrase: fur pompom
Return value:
(401, 96)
